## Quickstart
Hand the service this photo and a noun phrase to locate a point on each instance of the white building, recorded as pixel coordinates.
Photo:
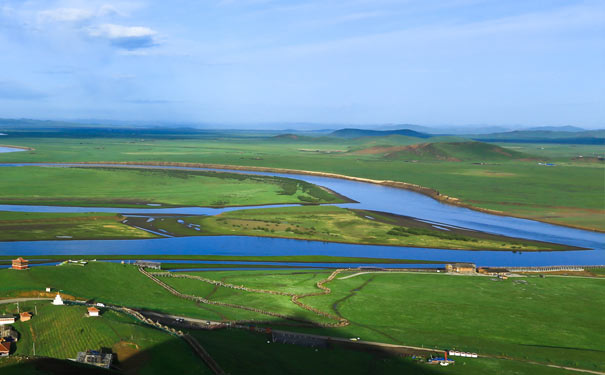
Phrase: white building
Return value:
(7, 319)
(93, 311)
(58, 300)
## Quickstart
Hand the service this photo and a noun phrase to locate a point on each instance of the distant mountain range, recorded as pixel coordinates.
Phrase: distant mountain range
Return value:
(356, 133)
(547, 134)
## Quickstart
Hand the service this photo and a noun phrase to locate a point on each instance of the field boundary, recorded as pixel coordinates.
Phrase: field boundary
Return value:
(341, 322)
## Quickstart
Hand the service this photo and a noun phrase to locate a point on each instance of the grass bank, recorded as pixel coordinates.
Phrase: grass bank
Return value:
(140, 187)
(35, 226)
(334, 224)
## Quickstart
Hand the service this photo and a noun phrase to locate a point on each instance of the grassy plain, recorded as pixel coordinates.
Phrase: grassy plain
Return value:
(328, 223)
(555, 320)
(63, 331)
(128, 187)
(113, 284)
(470, 313)
(569, 193)
(32, 226)
(256, 356)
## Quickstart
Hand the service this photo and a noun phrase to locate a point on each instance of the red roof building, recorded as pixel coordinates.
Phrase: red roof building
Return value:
(93, 311)
(20, 264)
(5, 349)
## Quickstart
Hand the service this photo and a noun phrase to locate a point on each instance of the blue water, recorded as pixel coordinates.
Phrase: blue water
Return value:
(369, 196)
(10, 149)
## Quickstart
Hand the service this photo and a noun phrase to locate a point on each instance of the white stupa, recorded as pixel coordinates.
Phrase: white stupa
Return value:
(58, 300)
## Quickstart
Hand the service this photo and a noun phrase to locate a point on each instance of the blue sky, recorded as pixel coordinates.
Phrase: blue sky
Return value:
(425, 62)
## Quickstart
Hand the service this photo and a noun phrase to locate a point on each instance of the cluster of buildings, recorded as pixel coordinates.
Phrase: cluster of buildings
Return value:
(8, 335)
(470, 268)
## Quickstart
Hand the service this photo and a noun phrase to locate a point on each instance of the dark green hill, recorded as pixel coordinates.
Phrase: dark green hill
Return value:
(447, 151)
(591, 137)
(356, 133)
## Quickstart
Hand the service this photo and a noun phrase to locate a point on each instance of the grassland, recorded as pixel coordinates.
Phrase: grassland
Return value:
(506, 318)
(120, 187)
(470, 313)
(63, 331)
(569, 193)
(33, 226)
(256, 356)
(494, 318)
(110, 283)
(327, 223)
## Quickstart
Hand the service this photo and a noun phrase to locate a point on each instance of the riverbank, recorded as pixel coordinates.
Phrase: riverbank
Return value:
(338, 225)
(111, 186)
(18, 148)
(432, 193)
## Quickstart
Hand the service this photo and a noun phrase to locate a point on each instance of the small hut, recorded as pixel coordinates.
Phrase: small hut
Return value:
(93, 311)
(25, 316)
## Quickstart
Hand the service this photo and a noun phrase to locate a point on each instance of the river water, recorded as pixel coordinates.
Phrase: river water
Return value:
(370, 197)
(10, 149)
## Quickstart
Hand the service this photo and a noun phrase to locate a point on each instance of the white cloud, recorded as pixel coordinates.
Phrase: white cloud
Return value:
(65, 15)
(126, 37)
(112, 31)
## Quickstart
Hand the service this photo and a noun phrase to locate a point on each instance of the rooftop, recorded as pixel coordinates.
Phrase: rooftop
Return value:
(5, 347)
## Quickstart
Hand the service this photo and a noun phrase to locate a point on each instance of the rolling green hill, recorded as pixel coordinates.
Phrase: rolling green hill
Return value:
(592, 137)
(446, 151)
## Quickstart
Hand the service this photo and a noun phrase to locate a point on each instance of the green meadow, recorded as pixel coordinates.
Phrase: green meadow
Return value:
(113, 284)
(334, 224)
(33, 226)
(550, 320)
(130, 187)
(469, 313)
(256, 356)
(63, 331)
(495, 318)
(568, 193)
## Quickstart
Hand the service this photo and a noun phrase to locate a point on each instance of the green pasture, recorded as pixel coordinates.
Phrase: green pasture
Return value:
(334, 224)
(63, 331)
(256, 356)
(550, 320)
(129, 187)
(32, 226)
(469, 313)
(266, 302)
(109, 283)
(571, 192)
(554, 320)
(289, 281)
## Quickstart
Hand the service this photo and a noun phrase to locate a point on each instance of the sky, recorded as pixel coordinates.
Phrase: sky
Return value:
(426, 62)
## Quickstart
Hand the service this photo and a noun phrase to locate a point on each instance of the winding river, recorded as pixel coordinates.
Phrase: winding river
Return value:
(370, 197)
